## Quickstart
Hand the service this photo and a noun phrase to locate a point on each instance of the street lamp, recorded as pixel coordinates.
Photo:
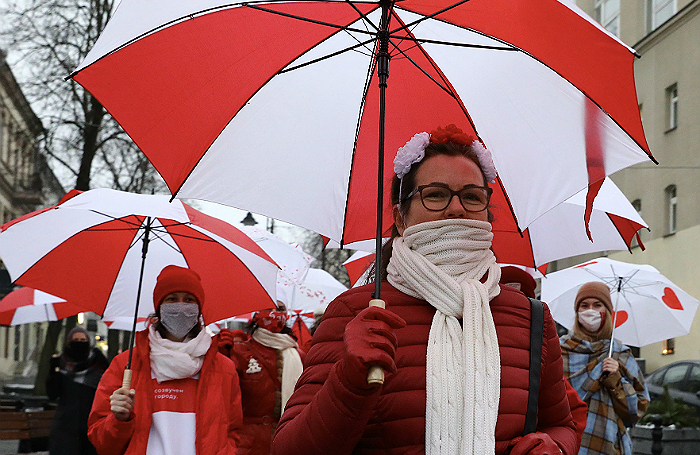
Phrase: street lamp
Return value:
(249, 220)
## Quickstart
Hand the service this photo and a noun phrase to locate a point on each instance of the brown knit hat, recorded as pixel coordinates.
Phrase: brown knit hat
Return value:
(597, 290)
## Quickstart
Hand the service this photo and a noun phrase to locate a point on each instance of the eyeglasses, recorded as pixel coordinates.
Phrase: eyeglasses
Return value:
(437, 196)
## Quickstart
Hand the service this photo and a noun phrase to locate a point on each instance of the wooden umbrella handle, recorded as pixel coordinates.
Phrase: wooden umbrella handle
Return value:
(126, 381)
(375, 375)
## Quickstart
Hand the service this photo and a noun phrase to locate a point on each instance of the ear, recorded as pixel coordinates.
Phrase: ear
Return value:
(398, 219)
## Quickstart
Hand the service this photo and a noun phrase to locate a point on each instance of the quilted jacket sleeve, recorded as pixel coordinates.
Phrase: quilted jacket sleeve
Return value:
(554, 415)
(325, 414)
(109, 435)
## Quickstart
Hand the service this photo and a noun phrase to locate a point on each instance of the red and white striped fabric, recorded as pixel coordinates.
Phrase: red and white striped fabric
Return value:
(26, 305)
(88, 249)
(282, 102)
(557, 234)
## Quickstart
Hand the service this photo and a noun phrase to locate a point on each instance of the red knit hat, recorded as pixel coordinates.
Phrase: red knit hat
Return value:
(177, 279)
(514, 276)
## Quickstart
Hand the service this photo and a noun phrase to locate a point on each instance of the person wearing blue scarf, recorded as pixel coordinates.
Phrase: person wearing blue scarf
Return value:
(612, 386)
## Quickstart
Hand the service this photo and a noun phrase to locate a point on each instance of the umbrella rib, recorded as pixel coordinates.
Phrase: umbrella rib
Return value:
(306, 19)
(327, 56)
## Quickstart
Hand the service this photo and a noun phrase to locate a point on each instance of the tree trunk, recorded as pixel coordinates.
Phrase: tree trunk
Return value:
(47, 351)
(113, 343)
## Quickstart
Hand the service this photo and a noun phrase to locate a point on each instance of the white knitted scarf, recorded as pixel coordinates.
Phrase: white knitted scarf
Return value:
(442, 262)
(291, 362)
(176, 360)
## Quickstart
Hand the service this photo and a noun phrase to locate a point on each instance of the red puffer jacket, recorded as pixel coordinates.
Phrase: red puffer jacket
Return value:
(218, 406)
(259, 377)
(325, 416)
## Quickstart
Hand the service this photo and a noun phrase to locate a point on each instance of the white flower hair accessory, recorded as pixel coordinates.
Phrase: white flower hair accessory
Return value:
(411, 153)
(485, 160)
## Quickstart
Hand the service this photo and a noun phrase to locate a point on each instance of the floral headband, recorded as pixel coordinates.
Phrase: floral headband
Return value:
(414, 150)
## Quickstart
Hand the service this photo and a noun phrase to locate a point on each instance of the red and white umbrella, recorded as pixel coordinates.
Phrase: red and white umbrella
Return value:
(102, 250)
(648, 306)
(289, 106)
(26, 305)
(294, 263)
(318, 289)
(357, 266)
(557, 234)
(126, 323)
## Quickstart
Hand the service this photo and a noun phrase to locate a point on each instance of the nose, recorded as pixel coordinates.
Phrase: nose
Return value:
(455, 209)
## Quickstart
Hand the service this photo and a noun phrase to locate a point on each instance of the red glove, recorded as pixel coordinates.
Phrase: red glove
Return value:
(225, 342)
(369, 340)
(536, 444)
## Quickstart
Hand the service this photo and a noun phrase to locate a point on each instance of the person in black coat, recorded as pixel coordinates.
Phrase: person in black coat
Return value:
(73, 380)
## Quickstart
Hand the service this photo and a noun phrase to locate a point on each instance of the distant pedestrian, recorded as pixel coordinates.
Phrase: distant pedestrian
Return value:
(269, 364)
(612, 386)
(73, 379)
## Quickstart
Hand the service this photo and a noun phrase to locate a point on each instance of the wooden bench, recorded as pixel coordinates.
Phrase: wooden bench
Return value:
(25, 424)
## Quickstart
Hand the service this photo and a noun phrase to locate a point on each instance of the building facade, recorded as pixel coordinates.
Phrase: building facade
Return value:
(26, 184)
(666, 34)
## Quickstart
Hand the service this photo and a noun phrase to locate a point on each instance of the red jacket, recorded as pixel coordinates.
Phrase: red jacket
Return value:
(259, 377)
(218, 406)
(325, 416)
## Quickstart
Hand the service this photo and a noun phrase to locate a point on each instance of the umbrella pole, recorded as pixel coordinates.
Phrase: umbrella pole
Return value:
(126, 381)
(375, 375)
(617, 299)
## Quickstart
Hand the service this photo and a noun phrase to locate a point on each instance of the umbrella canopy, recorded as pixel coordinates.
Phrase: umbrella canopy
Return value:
(558, 234)
(318, 289)
(26, 305)
(294, 263)
(126, 323)
(103, 249)
(290, 105)
(648, 306)
(358, 265)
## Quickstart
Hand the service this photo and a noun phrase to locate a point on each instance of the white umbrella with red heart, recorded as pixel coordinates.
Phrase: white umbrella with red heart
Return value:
(648, 306)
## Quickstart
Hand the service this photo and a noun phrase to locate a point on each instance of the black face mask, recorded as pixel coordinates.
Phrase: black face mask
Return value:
(78, 350)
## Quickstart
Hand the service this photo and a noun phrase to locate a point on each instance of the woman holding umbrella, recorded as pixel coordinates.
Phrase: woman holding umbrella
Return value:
(73, 379)
(610, 382)
(450, 340)
(186, 397)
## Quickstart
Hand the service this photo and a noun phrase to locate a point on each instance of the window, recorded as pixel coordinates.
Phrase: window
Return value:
(607, 13)
(659, 11)
(671, 209)
(692, 385)
(669, 347)
(672, 107)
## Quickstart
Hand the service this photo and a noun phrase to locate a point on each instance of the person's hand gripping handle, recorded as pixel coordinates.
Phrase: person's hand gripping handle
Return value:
(369, 341)
(375, 375)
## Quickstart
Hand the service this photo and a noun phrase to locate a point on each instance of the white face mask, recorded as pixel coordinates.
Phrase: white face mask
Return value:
(179, 317)
(591, 320)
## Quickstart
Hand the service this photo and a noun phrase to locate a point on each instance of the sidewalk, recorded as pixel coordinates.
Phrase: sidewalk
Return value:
(11, 446)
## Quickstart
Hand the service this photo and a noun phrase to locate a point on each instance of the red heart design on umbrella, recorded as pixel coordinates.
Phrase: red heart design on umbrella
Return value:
(622, 317)
(671, 299)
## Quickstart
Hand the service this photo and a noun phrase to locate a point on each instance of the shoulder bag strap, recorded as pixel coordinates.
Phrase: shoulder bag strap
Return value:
(536, 333)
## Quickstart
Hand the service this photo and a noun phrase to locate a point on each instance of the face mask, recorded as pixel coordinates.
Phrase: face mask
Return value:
(274, 321)
(591, 320)
(179, 318)
(78, 350)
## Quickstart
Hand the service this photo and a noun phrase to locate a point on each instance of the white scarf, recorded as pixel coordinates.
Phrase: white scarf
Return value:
(176, 360)
(291, 362)
(442, 263)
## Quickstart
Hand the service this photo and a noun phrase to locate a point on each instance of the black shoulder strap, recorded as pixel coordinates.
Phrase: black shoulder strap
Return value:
(536, 333)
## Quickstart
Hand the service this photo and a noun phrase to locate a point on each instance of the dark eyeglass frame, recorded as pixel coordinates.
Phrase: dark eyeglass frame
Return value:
(419, 190)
